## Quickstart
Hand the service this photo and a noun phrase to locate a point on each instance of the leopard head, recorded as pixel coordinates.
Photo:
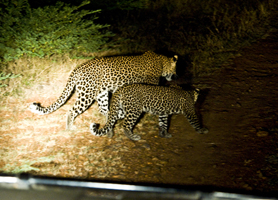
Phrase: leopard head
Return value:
(169, 67)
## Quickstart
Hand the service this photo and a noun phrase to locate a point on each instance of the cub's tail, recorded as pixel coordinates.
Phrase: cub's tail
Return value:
(115, 112)
(107, 130)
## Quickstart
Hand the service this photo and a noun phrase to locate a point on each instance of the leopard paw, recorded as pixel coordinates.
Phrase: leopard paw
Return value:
(203, 131)
(110, 134)
(164, 134)
(132, 136)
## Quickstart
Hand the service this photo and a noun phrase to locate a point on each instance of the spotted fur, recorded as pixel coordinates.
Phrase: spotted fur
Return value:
(131, 101)
(95, 79)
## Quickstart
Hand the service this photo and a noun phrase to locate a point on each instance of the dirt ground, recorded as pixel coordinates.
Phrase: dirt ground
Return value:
(238, 106)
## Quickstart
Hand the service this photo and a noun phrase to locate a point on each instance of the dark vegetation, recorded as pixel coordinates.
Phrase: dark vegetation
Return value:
(206, 33)
(54, 29)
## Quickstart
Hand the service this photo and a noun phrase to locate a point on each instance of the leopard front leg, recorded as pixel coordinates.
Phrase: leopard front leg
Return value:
(163, 126)
(195, 123)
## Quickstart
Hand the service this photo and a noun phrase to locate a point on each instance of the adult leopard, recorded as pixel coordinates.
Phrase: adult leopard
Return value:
(95, 79)
(131, 101)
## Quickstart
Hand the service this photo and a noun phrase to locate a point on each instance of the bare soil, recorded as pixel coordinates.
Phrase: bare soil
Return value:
(238, 105)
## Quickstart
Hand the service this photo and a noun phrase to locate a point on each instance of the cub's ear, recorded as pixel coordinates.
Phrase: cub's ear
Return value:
(175, 58)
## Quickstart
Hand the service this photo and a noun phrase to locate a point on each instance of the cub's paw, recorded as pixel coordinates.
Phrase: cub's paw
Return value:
(132, 136)
(110, 134)
(167, 135)
(203, 131)
(164, 134)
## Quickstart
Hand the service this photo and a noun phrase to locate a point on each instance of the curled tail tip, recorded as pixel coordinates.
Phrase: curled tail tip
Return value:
(93, 129)
(34, 108)
(93, 126)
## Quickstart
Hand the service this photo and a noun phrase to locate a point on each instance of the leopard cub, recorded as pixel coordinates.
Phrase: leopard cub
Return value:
(131, 101)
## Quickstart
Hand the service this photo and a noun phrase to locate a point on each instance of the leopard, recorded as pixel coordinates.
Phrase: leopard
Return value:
(99, 77)
(130, 101)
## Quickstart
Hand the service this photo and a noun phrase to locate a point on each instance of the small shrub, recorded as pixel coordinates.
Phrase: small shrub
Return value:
(49, 30)
(120, 4)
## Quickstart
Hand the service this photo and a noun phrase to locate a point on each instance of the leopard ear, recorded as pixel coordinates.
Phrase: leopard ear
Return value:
(196, 93)
(175, 58)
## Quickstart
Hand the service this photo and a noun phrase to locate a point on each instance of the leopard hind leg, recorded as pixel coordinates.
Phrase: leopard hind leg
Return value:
(163, 126)
(129, 122)
(103, 102)
(83, 101)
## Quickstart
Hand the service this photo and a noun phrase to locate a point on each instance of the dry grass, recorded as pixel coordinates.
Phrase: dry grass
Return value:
(41, 145)
(31, 138)
(37, 72)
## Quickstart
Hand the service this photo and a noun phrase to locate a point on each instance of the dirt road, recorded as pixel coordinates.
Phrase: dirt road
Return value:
(240, 151)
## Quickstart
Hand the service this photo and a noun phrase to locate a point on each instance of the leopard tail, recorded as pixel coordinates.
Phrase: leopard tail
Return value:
(66, 94)
(107, 129)
(113, 116)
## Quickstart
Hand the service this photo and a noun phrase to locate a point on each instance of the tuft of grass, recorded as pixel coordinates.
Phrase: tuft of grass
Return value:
(37, 75)
(4, 76)
(25, 165)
